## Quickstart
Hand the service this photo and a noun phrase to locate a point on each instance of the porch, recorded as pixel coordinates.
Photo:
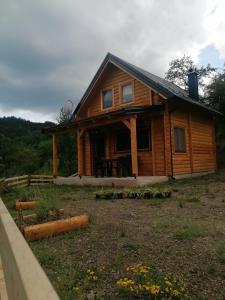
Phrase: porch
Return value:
(121, 144)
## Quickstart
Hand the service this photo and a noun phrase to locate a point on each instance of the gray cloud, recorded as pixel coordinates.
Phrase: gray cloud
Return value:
(50, 49)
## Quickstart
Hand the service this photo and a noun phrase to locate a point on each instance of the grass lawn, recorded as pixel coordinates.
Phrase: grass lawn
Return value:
(183, 235)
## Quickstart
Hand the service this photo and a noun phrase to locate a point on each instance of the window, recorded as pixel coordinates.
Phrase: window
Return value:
(143, 138)
(123, 140)
(107, 98)
(179, 139)
(127, 93)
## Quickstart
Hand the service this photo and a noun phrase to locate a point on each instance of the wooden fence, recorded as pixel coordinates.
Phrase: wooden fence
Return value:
(27, 180)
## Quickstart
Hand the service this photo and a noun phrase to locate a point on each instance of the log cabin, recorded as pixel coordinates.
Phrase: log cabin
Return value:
(132, 123)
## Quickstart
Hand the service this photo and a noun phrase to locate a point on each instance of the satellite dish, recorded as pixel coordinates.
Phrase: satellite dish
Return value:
(68, 107)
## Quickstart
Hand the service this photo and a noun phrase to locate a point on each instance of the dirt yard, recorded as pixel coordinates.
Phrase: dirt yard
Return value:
(183, 235)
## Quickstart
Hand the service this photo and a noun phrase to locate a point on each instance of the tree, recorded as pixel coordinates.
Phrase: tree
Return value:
(215, 97)
(179, 68)
(66, 146)
(215, 92)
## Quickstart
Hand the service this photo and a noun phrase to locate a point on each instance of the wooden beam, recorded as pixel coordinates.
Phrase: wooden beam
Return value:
(153, 146)
(126, 123)
(190, 142)
(54, 155)
(81, 131)
(80, 156)
(133, 137)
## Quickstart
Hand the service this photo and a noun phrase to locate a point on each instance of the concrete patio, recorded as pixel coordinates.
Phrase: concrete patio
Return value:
(109, 181)
(121, 181)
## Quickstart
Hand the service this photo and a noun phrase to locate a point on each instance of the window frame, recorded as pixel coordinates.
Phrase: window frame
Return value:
(102, 97)
(130, 82)
(184, 150)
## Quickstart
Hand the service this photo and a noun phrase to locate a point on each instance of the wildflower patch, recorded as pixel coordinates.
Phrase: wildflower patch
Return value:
(145, 283)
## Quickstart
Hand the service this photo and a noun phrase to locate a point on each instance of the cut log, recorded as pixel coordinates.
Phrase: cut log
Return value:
(39, 231)
(22, 205)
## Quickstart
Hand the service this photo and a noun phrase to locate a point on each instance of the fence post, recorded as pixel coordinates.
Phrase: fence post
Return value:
(28, 179)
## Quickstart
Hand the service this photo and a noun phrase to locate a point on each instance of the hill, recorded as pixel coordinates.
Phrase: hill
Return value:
(23, 148)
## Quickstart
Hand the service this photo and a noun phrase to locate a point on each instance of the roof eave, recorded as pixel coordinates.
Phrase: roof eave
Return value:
(199, 106)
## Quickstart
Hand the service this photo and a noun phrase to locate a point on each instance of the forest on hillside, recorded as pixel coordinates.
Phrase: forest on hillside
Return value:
(24, 149)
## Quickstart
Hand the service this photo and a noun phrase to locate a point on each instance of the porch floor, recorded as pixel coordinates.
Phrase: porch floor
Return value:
(109, 181)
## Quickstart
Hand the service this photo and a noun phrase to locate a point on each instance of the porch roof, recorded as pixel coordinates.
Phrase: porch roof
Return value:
(113, 116)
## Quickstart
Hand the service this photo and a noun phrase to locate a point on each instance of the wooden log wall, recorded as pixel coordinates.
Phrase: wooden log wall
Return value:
(158, 146)
(114, 78)
(181, 161)
(203, 143)
(200, 153)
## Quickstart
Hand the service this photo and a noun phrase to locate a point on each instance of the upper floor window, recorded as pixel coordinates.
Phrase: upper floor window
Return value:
(127, 93)
(179, 139)
(107, 98)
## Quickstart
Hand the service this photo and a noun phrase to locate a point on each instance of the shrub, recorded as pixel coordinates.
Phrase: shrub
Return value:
(136, 193)
(48, 203)
(189, 231)
(27, 194)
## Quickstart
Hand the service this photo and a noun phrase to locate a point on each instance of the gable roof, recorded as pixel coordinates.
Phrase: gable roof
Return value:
(163, 86)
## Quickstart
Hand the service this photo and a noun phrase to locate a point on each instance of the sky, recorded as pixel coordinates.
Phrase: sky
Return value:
(51, 49)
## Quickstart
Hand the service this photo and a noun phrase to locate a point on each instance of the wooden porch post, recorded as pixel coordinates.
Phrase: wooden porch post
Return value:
(133, 139)
(80, 158)
(107, 144)
(153, 145)
(87, 154)
(167, 141)
(54, 155)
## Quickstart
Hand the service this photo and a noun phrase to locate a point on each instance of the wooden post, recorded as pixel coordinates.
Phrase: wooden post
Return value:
(80, 158)
(133, 139)
(55, 155)
(167, 141)
(87, 154)
(28, 179)
(214, 142)
(153, 146)
(107, 144)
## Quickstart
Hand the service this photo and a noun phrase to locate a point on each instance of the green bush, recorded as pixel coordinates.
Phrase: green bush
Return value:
(48, 203)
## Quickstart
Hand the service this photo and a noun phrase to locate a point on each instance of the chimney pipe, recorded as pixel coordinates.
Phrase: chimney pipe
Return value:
(193, 84)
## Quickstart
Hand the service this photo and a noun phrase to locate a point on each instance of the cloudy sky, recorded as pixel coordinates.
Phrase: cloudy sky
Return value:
(50, 49)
